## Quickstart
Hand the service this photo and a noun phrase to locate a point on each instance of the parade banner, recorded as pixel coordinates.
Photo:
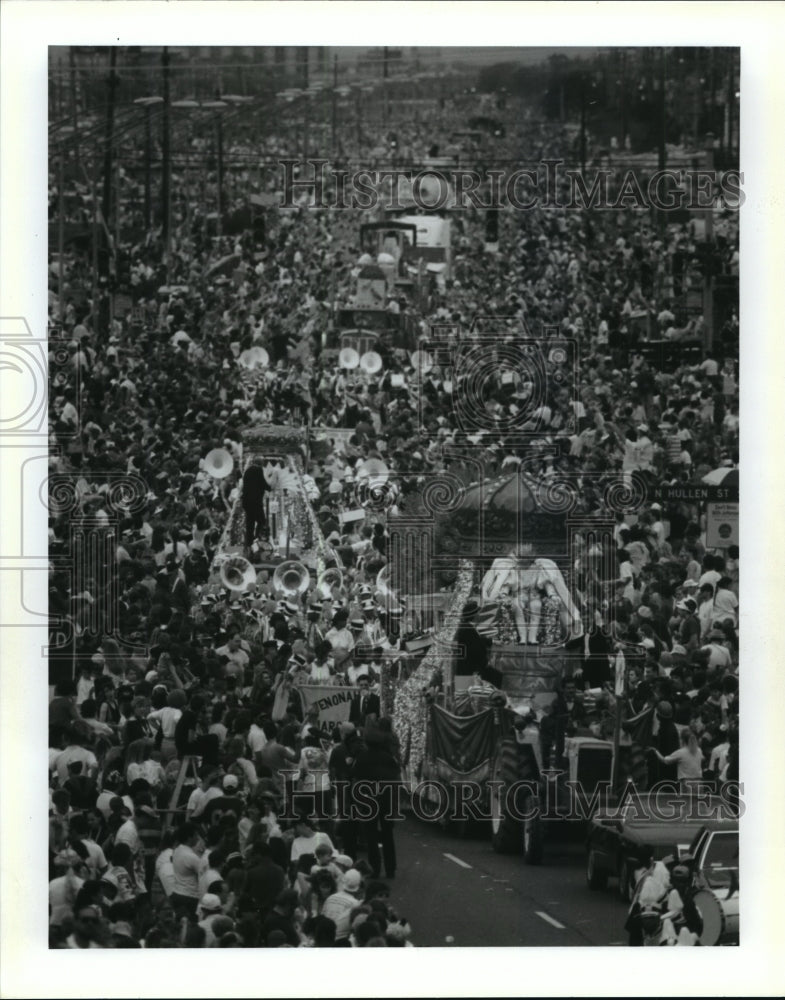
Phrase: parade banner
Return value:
(334, 702)
(462, 744)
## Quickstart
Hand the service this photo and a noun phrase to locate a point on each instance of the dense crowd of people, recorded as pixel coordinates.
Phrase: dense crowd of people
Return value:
(179, 746)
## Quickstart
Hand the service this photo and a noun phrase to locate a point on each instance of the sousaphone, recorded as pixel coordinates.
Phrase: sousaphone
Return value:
(291, 579)
(371, 363)
(348, 358)
(328, 580)
(254, 357)
(237, 573)
(218, 463)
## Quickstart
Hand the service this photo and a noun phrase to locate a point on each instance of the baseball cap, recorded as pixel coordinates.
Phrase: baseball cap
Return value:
(210, 903)
(352, 881)
(687, 605)
(231, 781)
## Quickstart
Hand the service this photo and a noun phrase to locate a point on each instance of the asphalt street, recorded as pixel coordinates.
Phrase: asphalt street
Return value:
(455, 891)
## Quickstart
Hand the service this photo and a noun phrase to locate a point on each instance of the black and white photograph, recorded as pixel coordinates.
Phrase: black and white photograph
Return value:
(374, 432)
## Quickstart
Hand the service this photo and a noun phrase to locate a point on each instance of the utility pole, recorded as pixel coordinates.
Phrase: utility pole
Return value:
(708, 269)
(117, 184)
(61, 241)
(166, 164)
(148, 167)
(107, 197)
(731, 100)
(94, 313)
(335, 104)
(663, 110)
(304, 66)
(220, 167)
(623, 136)
(583, 123)
(385, 72)
(74, 102)
(147, 103)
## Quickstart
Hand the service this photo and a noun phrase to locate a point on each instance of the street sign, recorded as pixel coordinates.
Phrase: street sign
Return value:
(693, 493)
(722, 525)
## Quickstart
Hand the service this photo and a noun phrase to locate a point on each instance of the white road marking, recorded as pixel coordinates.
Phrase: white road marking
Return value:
(457, 861)
(549, 920)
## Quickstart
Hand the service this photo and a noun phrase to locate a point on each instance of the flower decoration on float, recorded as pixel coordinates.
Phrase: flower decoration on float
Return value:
(410, 705)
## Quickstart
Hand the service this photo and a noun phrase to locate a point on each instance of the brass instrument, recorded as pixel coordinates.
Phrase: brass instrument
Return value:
(218, 463)
(328, 580)
(237, 573)
(291, 579)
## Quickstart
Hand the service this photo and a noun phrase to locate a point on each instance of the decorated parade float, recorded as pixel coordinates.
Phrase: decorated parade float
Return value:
(485, 745)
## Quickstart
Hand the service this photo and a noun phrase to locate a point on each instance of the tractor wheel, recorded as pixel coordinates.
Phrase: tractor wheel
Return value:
(532, 841)
(514, 762)
(505, 829)
(625, 889)
(595, 877)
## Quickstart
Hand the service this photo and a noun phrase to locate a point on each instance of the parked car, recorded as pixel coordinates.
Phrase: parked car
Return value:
(664, 822)
(715, 874)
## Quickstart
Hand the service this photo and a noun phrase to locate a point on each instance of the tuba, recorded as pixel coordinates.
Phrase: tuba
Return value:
(291, 579)
(218, 463)
(371, 363)
(329, 579)
(237, 573)
(348, 358)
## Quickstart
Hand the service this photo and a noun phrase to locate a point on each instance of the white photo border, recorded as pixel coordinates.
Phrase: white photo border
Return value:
(28, 967)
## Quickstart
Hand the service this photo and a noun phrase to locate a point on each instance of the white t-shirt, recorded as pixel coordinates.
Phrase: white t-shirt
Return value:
(340, 639)
(725, 606)
(84, 689)
(187, 866)
(103, 800)
(206, 879)
(198, 800)
(308, 845)
(96, 859)
(719, 656)
(314, 773)
(164, 869)
(706, 617)
(69, 756)
(338, 908)
(719, 760)
(257, 741)
(128, 834)
(168, 718)
(62, 896)
(710, 576)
